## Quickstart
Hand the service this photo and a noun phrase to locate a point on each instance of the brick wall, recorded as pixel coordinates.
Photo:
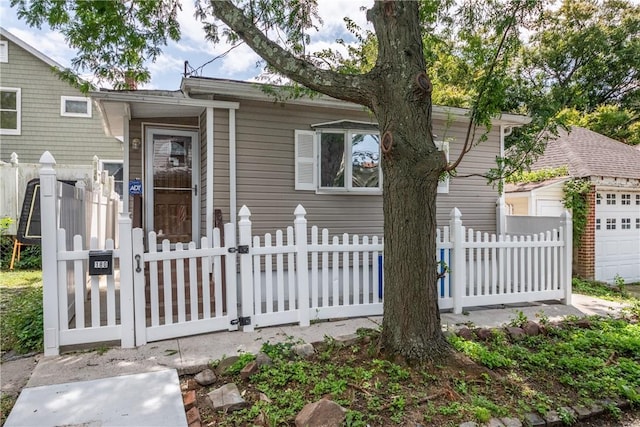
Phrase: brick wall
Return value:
(584, 256)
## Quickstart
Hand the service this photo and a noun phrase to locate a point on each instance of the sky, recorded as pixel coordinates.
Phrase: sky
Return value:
(166, 72)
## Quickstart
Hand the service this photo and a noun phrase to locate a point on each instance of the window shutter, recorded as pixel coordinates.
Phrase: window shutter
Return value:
(304, 158)
(443, 185)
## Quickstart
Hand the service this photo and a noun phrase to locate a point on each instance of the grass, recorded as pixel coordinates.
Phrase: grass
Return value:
(21, 327)
(568, 365)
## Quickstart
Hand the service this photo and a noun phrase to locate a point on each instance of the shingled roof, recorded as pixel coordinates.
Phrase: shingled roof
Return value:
(589, 153)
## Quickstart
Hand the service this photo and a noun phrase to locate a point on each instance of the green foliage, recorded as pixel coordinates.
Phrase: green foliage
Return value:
(238, 365)
(598, 289)
(622, 124)
(21, 321)
(520, 320)
(480, 353)
(538, 175)
(575, 199)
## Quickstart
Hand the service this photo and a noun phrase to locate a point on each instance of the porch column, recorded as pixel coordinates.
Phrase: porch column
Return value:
(209, 177)
(232, 166)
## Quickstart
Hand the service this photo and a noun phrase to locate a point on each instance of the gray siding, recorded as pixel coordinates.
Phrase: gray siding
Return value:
(265, 173)
(71, 140)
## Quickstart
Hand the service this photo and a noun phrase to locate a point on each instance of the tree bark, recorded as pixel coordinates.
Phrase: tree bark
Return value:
(411, 169)
(398, 92)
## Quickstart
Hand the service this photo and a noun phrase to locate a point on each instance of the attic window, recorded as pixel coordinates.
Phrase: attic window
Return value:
(75, 106)
(4, 51)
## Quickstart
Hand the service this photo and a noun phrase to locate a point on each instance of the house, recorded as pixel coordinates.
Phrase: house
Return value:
(42, 112)
(221, 144)
(610, 244)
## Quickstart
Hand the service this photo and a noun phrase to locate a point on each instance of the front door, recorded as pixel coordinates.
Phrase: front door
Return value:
(172, 176)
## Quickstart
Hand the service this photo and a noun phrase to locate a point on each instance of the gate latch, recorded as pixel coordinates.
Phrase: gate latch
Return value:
(242, 321)
(242, 249)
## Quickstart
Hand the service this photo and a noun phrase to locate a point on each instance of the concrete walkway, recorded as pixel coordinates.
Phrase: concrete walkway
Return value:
(191, 354)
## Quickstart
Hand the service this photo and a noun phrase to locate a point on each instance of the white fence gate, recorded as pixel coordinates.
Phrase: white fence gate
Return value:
(296, 276)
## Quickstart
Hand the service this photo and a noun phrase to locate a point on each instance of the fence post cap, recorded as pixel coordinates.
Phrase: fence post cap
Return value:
(566, 214)
(14, 158)
(300, 211)
(47, 159)
(455, 213)
(244, 212)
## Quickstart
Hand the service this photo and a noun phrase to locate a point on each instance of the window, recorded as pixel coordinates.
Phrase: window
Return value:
(611, 199)
(339, 159)
(611, 223)
(114, 167)
(625, 224)
(75, 106)
(4, 51)
(349, 161)
(10, 111)
(638, 199)
(598, 224)
(443, 184)
(625, 199)
(637, 223)
(598, 198)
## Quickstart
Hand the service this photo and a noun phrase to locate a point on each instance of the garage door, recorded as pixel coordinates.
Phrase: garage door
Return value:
(618, 236)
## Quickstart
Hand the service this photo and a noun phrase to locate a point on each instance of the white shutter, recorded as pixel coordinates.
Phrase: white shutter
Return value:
(304, 158)
(443, 185)
(4, 51)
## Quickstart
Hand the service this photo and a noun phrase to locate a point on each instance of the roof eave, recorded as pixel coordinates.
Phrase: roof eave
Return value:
(252, 91)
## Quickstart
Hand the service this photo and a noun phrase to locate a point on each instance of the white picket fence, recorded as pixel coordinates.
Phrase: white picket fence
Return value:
(297, 275)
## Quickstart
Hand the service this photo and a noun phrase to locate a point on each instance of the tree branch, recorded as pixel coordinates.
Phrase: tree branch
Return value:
(353, 88)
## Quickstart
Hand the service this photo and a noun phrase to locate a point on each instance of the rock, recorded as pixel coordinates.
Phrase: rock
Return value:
(346, 340)
(484, 334)
(553, 419)
(469, 424)
(323, 413)
(190, 384)
(596, 410)
(511, 422)
(226, 364)
(581, 412)
(227, 398)
(264, 398)
(531, 328)
(205, 378)
(249, 369)
(191, 369)
(533, 420)
(516, 334)
(494, 422)
(303, 350)
(263, 360)
(466, 333)
(583, 324)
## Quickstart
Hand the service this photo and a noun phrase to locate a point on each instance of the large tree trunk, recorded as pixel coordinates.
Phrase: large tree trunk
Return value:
(411, 166)
(399, 93)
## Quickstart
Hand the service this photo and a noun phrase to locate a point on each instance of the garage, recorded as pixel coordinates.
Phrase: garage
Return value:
(617, 235)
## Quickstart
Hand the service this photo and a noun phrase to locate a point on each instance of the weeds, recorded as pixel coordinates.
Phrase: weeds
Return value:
(21, 316)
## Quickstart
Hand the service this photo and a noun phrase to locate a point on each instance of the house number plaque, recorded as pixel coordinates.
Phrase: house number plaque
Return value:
(100, 262)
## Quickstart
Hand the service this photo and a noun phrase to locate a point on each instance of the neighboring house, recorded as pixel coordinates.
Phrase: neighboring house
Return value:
(220, 144)
(610, 245)
(41, 112)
